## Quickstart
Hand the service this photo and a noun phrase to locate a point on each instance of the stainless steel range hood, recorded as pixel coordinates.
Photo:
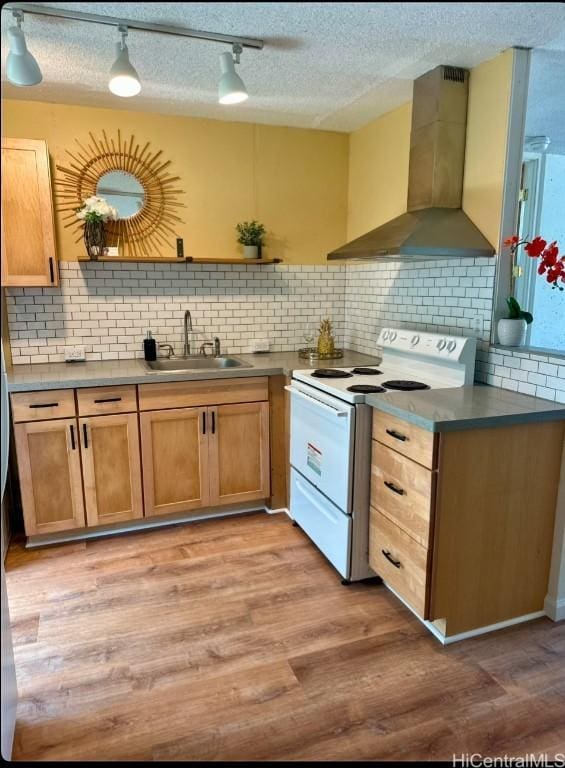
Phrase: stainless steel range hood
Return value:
(435, 226)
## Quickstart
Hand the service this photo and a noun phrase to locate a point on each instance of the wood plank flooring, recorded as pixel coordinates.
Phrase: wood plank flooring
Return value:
(234, 640)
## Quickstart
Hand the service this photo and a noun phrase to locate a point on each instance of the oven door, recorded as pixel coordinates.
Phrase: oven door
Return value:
(322, 431)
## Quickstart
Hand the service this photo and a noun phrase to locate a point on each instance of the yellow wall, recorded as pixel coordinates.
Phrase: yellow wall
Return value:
(292, 180)
(487, 135)
(378, 171)
(378, 156)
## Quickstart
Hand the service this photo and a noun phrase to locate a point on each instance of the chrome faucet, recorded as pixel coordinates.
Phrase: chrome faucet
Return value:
(215, 346)
(187, 328)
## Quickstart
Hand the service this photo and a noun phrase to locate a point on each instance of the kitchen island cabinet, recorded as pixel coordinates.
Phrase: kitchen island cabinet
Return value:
(462, 520)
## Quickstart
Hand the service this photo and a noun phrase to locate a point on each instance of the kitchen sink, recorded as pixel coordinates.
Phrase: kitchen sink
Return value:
(178, 364)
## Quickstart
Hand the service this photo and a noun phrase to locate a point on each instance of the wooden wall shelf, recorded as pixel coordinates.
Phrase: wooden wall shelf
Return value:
(187, 260)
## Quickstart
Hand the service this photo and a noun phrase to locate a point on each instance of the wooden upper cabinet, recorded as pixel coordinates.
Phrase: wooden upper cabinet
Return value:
(239, 452)
(50, 478)
(111, 468)
(174, 446)
(28, 234)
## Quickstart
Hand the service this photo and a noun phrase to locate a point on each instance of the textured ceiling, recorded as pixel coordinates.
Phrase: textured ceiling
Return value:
(324, 65)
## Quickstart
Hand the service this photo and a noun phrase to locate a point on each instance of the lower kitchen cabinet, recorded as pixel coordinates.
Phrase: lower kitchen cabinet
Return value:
(239, 452)
(462, 522)
(111, 468)
(50, 475)
(174, 445)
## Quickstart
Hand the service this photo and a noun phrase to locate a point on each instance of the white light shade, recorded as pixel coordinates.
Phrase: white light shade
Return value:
(124, 80)
(231, 89)
(21, 67)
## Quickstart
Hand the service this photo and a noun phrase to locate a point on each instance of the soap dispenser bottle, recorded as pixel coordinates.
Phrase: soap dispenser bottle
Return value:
(149, 347)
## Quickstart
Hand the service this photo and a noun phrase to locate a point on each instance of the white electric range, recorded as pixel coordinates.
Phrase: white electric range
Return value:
(330, 436)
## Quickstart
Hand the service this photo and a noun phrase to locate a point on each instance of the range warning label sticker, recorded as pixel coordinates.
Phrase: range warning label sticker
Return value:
(314, 459)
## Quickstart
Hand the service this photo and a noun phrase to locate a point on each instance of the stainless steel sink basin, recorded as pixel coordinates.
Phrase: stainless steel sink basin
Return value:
(179, 364)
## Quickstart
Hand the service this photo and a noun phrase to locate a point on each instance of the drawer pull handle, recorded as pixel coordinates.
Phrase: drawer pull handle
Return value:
(396, 435)
(85, 433)
(213, 422)
(44, 405)
(394, 488)
(51, 270)
(108, 400)
(204, 422)
(73, 444)
(389, 557)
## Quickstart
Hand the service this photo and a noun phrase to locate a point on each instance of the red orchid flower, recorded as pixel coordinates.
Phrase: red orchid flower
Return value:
(536, 247)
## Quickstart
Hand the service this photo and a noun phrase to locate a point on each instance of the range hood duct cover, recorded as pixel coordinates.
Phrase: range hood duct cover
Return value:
(435, 226)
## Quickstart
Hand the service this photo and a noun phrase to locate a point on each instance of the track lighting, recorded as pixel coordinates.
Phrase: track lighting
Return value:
(231, 89)
(124, 80)
(21, 67)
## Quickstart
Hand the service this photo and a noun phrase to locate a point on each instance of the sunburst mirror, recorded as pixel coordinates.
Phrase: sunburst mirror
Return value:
(134, 180)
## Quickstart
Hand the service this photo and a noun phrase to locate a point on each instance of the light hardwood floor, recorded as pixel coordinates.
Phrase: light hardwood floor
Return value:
(234, 640)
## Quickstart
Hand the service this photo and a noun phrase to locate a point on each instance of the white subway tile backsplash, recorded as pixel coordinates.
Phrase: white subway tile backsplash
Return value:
(108, 307)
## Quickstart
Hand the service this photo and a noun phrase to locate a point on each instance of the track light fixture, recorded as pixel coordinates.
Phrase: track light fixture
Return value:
(231, 89)
(21, 67)
(124, 80)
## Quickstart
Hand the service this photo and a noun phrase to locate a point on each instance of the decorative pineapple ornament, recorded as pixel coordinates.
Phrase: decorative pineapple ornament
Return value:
(326, 344)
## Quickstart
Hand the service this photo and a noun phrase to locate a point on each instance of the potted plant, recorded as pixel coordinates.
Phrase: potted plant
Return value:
(251, 237)
(95, 212)
(512, 329)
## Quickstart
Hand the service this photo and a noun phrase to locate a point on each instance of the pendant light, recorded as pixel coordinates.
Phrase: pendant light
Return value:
(124, 80)
(231, 89)
(21, 67)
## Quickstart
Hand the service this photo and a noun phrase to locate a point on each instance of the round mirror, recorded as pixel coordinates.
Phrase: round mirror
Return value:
(122, 191)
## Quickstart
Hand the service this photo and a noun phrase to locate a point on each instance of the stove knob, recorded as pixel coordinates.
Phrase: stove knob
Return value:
(386, 334)
(415, 339)
(441, 344)
(393, 335)
(451, 346)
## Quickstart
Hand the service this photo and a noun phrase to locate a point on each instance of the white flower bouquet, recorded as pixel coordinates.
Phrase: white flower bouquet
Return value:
(96, 209)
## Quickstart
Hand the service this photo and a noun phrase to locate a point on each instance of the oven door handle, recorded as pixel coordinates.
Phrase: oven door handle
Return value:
(317, 403)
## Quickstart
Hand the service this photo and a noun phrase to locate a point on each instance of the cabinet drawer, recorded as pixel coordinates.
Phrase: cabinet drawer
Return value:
(406, 438)
(99, 401)
(186, 394)
(400, 561)
(39, 406)
(403, 491)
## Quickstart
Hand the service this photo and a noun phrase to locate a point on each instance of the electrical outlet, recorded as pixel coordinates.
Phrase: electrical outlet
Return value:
(74, 354)
(260, 345)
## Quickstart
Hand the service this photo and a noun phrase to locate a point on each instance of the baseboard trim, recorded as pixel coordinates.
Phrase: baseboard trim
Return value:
(144, 524)
(555, 609)
(448, 639)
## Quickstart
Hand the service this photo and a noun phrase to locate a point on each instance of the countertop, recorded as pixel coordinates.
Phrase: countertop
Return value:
(471, 407)
(44, 376)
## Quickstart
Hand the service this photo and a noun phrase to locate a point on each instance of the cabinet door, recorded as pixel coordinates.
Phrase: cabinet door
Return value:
(174, 448)
(28, 236)
(111, 468)
(239, 452)
(50, 478)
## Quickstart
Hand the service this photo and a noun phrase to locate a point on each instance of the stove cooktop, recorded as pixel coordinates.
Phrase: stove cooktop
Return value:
(331, 373)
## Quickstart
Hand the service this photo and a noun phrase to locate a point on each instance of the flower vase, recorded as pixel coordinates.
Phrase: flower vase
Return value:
(511, 331)
(94, 238)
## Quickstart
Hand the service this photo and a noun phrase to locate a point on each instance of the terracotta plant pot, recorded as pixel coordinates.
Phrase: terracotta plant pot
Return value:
(512, 331)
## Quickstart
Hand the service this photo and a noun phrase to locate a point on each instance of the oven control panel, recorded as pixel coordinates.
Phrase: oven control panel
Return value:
(434, 345)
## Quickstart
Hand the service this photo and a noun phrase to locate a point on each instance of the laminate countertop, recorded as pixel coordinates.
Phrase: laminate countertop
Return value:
(94, 373)
(471, 407)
